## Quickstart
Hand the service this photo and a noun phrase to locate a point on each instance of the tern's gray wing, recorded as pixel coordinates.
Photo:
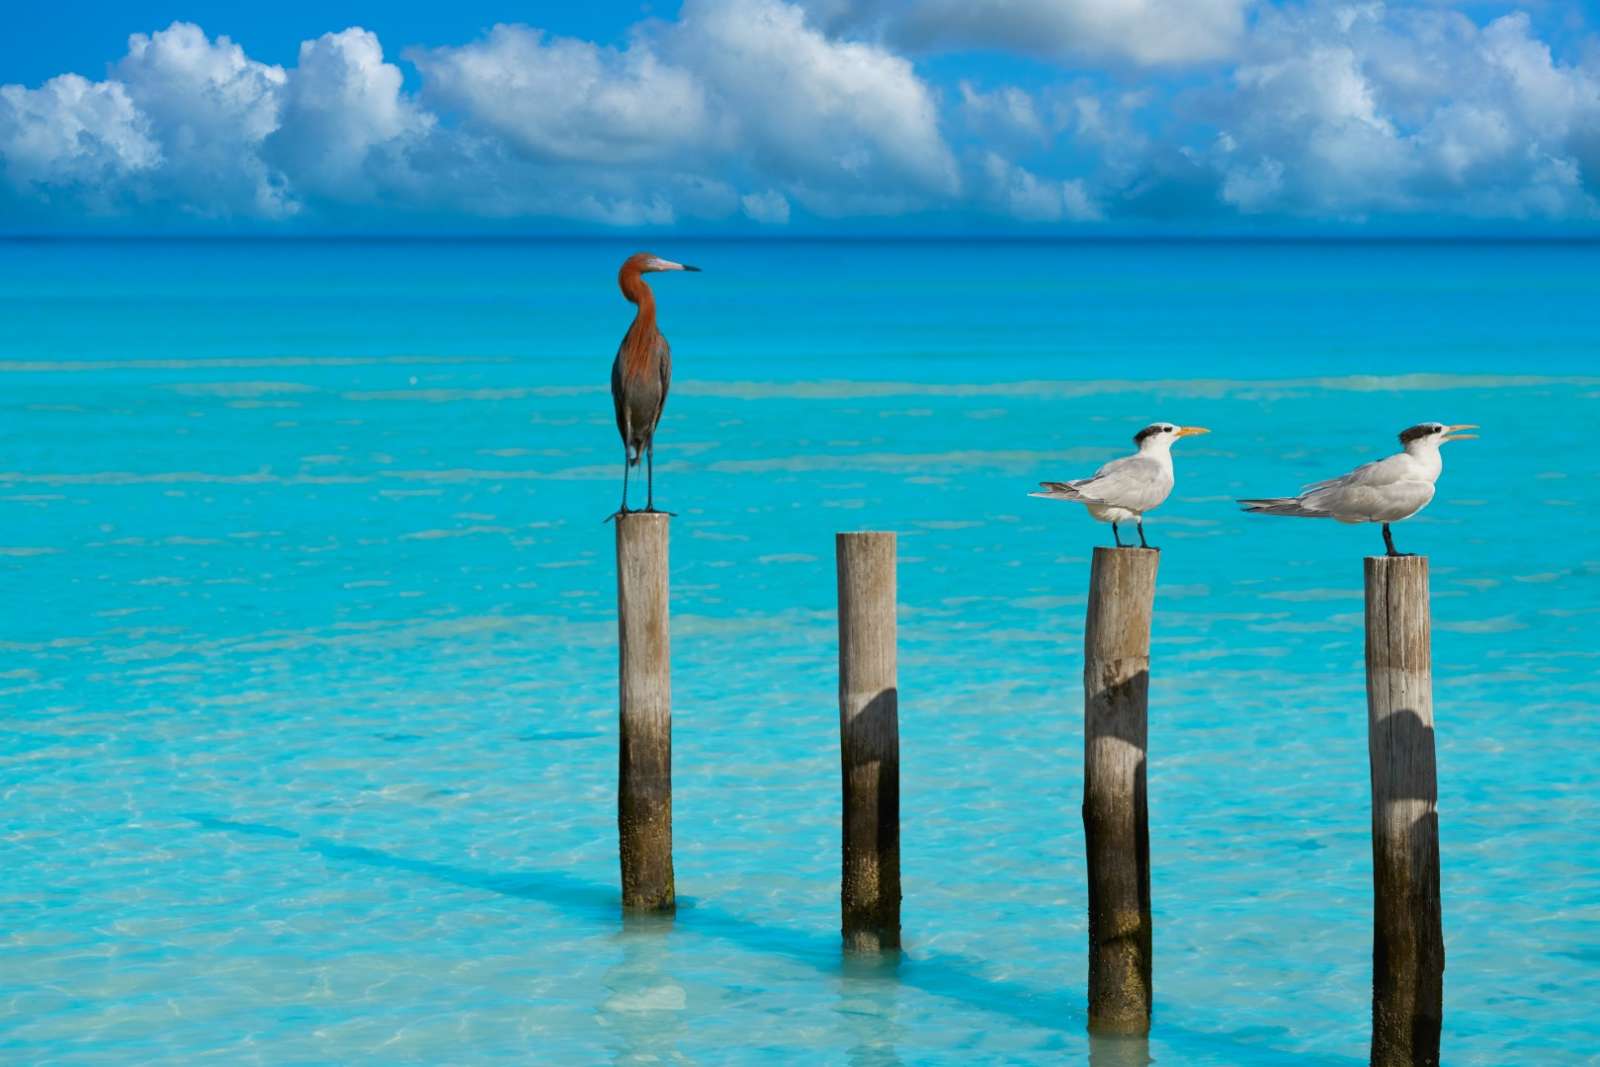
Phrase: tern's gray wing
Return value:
(1378, 472)
(1384, 490)
(1137, 483)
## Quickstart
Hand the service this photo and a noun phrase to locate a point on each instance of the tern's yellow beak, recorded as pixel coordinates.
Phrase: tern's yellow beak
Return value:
(1190, 431)
(1454, 436)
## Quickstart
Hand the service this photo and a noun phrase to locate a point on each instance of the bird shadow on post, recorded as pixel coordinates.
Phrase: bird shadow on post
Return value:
(869, 742)
(1116, 829)
(1408, 930)
(1408, 935)
(1116, 823)
(870, 887)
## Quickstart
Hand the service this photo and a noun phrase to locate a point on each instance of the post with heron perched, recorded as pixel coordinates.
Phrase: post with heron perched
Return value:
(644, 781)
(869, 741)
(1407, 929)
(1116, 822)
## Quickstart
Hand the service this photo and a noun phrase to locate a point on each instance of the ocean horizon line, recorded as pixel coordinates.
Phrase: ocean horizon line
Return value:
(1106, 239)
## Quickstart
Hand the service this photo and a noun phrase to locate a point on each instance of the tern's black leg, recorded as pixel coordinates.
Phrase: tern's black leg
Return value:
(1142, 542)
(1388, 542)
(1117, 537)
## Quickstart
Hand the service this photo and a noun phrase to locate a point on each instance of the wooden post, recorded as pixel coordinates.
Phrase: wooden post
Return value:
(869, 741)
(1116, 825)
(1107, 1050)
(1407, 930)
(644, 766)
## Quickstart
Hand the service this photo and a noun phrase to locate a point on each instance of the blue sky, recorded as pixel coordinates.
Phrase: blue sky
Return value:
(774, 116)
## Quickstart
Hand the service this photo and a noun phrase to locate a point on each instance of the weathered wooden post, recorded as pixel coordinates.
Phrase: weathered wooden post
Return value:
(869, 741)
(644, 771)
(1106, 1050)
(1116, 824)
(1407, 929)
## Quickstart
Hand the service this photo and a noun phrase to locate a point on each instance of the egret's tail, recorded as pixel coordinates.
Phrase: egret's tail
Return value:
(1057, 491)
(1282, 505)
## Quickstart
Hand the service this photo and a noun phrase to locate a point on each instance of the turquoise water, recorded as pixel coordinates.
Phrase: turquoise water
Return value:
(308, 653)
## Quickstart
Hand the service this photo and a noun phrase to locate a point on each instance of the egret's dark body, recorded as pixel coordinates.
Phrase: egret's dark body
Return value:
(641, 374)
(640, 397)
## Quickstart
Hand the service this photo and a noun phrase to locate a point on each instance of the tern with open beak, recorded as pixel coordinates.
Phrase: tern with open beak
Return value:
(1385, 490)
(1126, 488)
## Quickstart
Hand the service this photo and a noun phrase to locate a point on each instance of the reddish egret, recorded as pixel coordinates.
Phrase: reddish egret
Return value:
(1385, 490)
(641, 374)
(1126, 488)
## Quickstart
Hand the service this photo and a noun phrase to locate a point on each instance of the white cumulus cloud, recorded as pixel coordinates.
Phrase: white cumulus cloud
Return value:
(1007, 114)
(780, 112)
(770, 206)
(73, 134)
(1021, 194)
(346, 127)
(558, 98)
(1370, 109)
(1145, 32)
(849, 126)
(209, 106)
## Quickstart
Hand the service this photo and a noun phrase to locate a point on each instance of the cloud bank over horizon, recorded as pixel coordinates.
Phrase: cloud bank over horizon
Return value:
(765, 115)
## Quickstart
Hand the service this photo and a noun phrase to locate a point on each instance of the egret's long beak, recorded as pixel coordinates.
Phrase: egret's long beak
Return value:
(667, 264)
(1191, 431)
(1453, 436)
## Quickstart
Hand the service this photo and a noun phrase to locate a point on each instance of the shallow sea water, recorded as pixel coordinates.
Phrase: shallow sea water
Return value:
(307, 658)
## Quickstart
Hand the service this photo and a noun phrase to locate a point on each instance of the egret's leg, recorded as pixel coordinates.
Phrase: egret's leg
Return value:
(1142, 542)
(650, 477)
(623, 510)
(1117, 537)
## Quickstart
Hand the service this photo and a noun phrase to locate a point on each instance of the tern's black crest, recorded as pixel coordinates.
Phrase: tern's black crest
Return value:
(1150, 431)
(1421, 429)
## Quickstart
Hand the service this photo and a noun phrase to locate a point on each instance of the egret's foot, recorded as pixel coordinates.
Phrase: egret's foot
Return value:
(1399, 555)
(619, 513)
(650, 510)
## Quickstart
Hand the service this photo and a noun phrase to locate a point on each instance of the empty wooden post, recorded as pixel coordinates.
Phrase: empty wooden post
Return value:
(644, 771)
(1407, 930)
(869, 741)
(1116, 824)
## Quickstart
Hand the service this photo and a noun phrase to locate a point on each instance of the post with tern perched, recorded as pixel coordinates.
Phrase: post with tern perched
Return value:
(1116, 823)
(1407, 929)
(869, 741)
(644, 764)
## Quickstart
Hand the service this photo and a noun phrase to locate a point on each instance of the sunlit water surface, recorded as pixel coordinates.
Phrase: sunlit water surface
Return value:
(308, 658)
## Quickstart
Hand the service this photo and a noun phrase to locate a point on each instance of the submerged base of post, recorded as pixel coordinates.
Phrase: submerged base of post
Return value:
(644, 761)
(1116, 822)
(1408, 931)
(1108, 1050)
(869, 742)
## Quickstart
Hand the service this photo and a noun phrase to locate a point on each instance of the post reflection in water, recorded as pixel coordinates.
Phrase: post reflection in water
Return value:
(643, 1010)
(869, 989)
(1118, 1051)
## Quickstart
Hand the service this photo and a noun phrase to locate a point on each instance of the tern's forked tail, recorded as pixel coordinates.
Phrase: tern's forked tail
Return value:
(1282, 505)
(1058, 491)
